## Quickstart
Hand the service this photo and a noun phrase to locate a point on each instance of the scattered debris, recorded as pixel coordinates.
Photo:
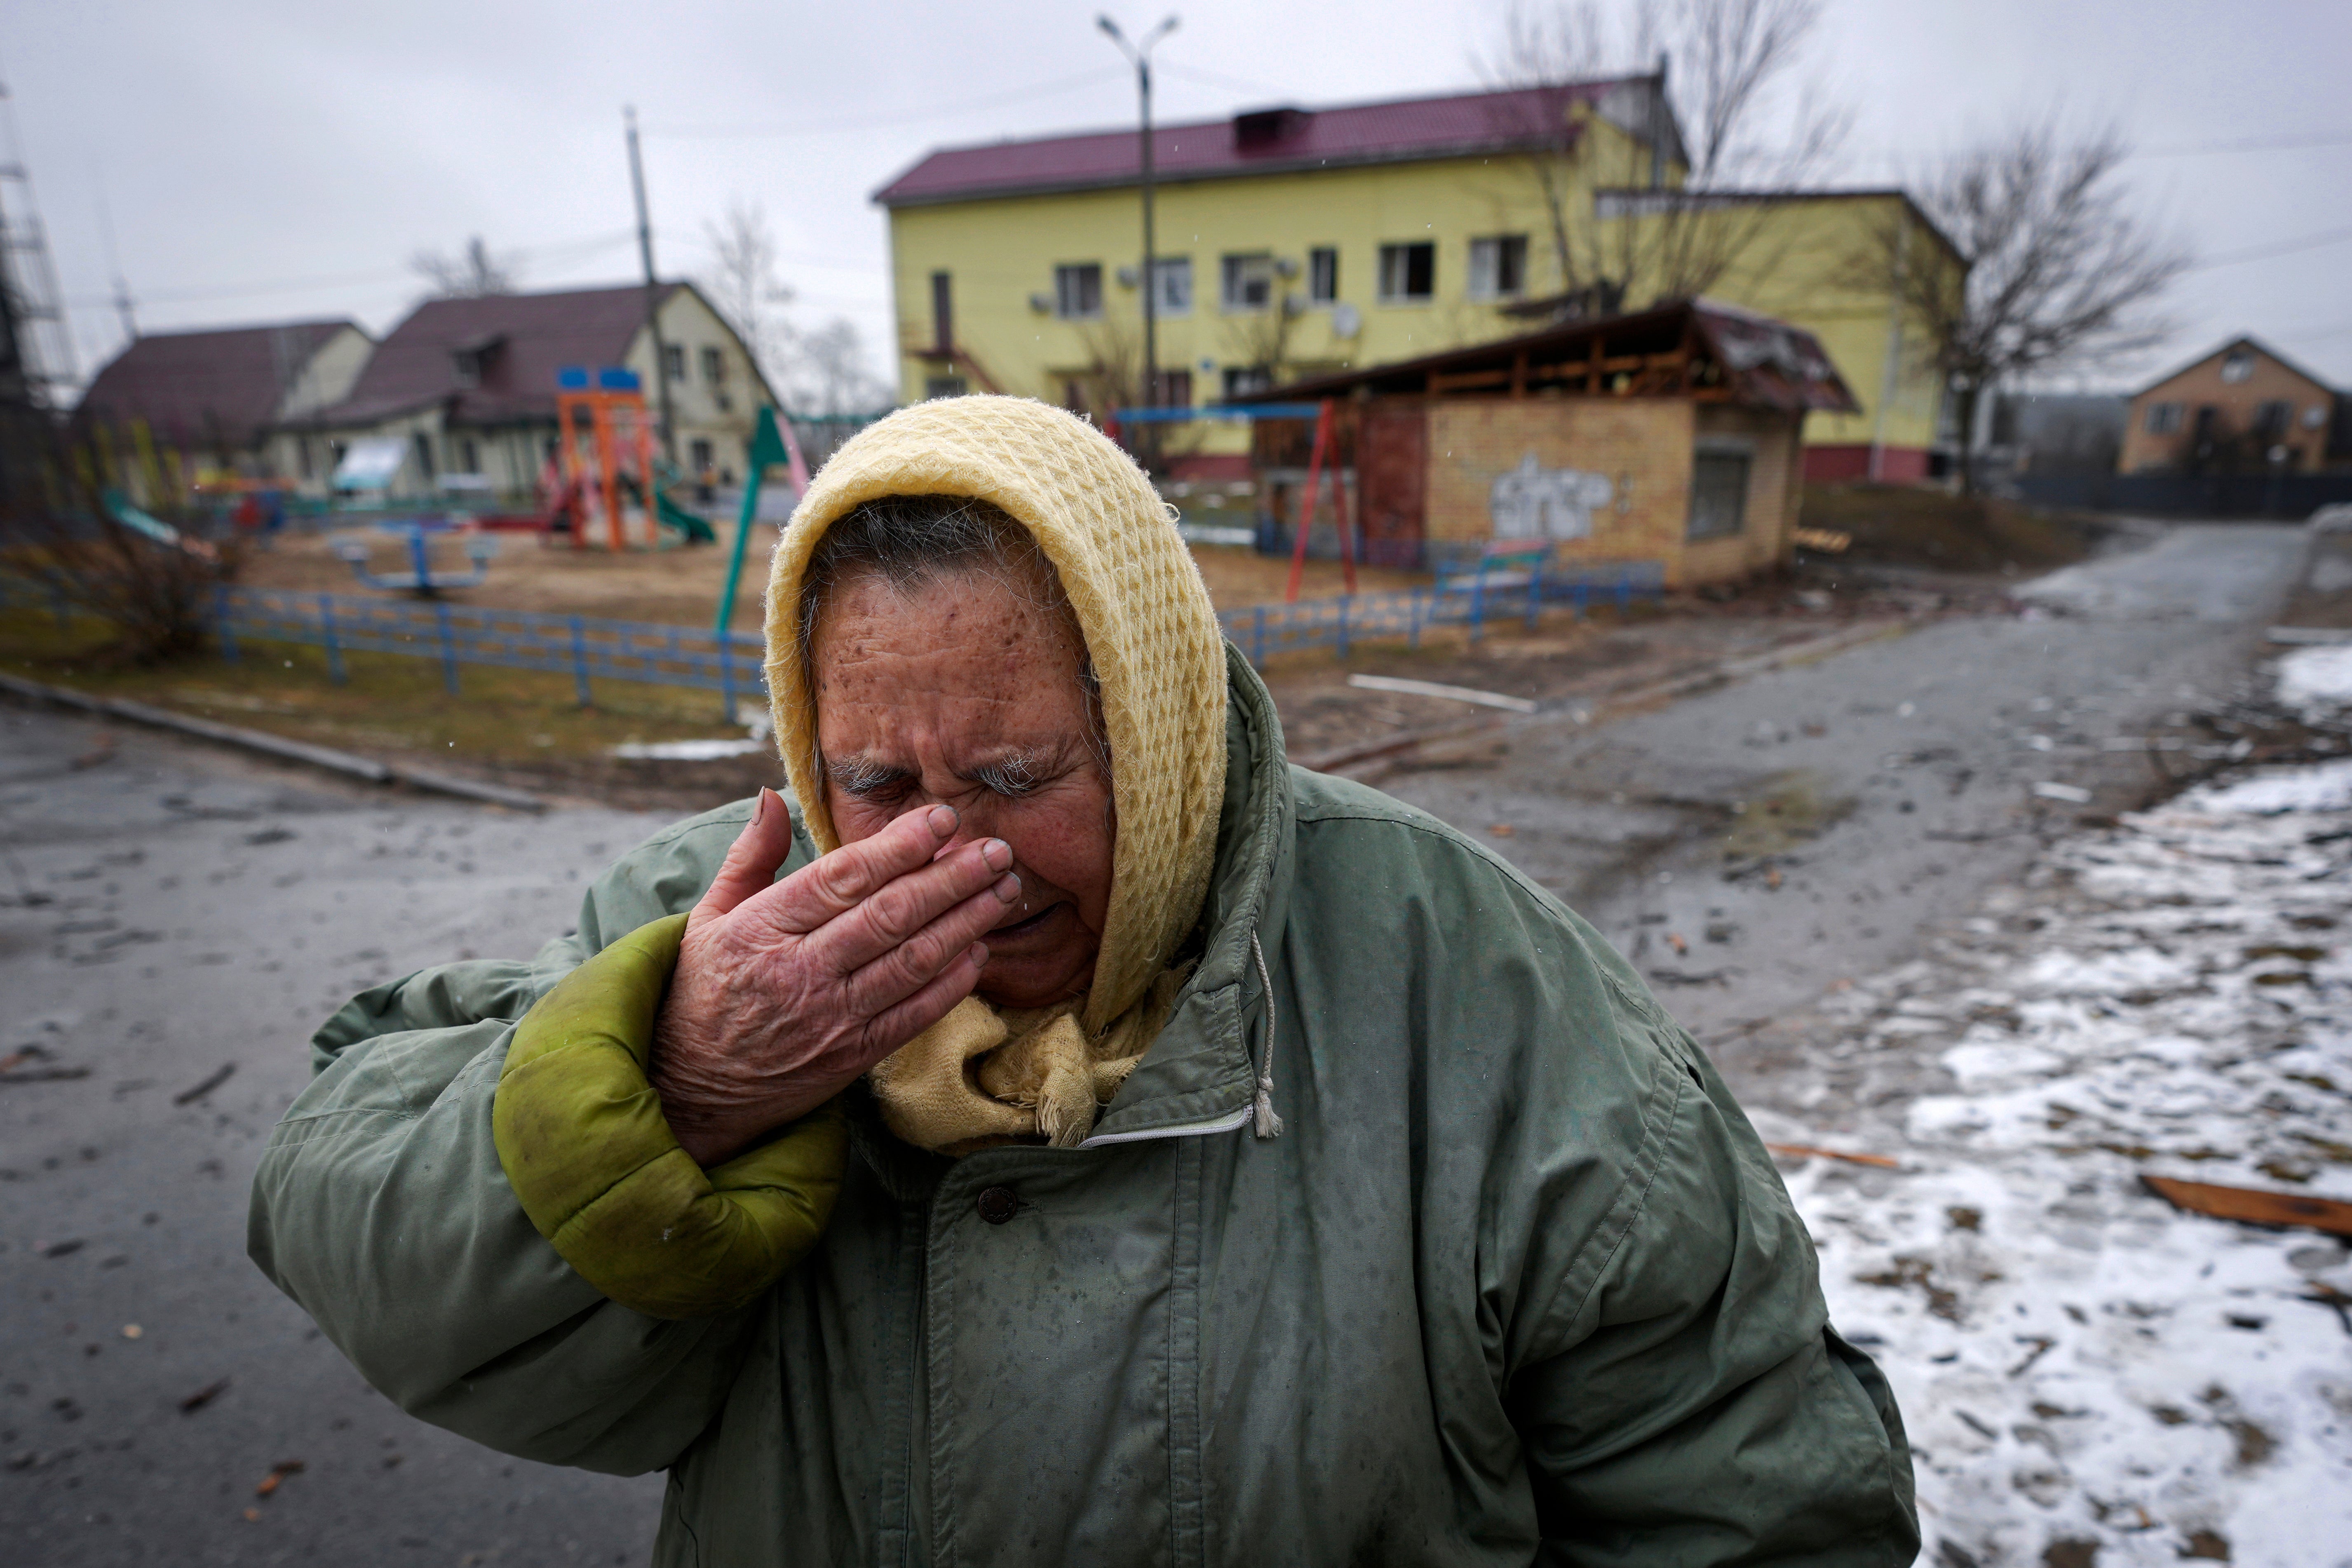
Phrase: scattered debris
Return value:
(1502, 830)
(1807, 1152)
(277, 1474)
(1821, 540)
(211, 1081)
(131, 1331)
(2251, 1206)
(32, 1064)
(2073, 794)
(202, 1397)
(1436, 688)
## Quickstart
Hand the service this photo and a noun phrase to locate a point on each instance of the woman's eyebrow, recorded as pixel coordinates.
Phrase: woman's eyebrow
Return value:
(862, 776)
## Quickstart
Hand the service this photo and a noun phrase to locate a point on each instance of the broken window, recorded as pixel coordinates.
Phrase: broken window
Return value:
(2238, 366)
(1248, 281)
(1077, 291)
(1408, 273)
(1499, 267)
(714, 367)
(1173, 278)
(2163, 418)
(944, 386)
(1323, 275)
(1719, 503)
(1246, 381)
(674, 360)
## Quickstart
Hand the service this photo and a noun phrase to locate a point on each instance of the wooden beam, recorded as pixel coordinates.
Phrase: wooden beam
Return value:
(1460, 381)
(2250, 1206)
(1520, 373)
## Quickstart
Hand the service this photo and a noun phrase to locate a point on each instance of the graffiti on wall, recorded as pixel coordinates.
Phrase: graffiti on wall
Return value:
(1532, 502)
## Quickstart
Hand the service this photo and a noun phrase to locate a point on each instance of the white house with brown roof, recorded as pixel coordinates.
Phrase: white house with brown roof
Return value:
(469, 385)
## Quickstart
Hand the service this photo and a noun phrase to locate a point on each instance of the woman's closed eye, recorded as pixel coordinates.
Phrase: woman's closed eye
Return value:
(1010, 776)
(863, 778)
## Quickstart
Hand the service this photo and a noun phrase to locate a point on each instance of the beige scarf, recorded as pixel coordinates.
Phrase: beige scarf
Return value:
(978, 1076)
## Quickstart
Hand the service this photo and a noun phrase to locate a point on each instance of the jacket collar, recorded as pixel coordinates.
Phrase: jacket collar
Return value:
(1199, 1076)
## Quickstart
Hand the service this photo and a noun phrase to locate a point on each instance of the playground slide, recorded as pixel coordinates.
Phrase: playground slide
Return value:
(696, 532)
(154, 528)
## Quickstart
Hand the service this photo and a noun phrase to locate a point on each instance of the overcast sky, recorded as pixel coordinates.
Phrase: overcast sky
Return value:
(280, 159)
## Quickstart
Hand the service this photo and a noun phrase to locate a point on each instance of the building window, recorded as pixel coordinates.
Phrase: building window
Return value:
(1718, 504)
(674, 360)
(1077, 291)
(701, 457)
(1247, 282)
(1174, 389)
(424, 453)
(1499, 267)
(2237, 366)
(469, 456)
(1323, 275)
(2271, 420)
(1172, 275)
(2163, 418)
(1244, 382)
(302, 457)
(1408, 273)
(714, 367)
(944, 386)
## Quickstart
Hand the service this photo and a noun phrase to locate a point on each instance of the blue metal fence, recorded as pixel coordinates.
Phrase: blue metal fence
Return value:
(590, 648)
(1472, 601)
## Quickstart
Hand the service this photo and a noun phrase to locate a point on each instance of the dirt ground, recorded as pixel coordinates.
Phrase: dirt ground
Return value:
(680, 586)
(1906, 525)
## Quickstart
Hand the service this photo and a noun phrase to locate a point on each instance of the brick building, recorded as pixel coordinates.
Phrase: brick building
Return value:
(1674, 435)
(2230, 412)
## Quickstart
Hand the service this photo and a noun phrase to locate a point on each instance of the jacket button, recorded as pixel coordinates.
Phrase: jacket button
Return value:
(997, 1203)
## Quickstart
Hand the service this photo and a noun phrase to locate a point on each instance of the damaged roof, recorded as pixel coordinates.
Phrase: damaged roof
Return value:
(1697, 349)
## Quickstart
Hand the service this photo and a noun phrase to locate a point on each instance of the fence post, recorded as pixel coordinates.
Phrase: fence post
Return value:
(1413, 620)
(1478, 604)
(224, 627)
(580, 662)
(1625, 589)
(1535, 593)
(1257, 640)
(1581, 595)
(727, 673)
(1345, 601)
(448, 647)
(326, 635)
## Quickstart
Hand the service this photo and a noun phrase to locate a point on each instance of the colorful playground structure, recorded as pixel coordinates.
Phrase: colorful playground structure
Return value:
(604, 483)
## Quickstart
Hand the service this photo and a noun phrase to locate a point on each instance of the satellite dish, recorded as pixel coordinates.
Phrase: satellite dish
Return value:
(1346, 321)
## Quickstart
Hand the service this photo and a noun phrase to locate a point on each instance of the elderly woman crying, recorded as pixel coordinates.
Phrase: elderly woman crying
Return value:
(1063, 1130)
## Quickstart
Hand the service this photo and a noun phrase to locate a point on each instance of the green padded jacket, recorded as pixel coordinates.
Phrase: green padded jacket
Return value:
(1517, 1283)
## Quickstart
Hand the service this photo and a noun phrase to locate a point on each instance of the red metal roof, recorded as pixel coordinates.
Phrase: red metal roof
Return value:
(196, 389)
(533, 336)
(1268, 140)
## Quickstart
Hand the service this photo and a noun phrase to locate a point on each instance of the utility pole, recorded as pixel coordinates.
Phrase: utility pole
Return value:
(1140, 54)
(653, 287)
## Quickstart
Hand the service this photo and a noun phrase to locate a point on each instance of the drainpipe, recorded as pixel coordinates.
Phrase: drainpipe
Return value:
(1658, 119)
(1893, 366)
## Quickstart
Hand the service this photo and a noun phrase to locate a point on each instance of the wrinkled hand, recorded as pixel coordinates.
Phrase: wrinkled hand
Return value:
(785, 992)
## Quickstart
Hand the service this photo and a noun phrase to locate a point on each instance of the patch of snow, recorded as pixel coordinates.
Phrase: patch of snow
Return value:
(689, 751)
(2321, 786)
(2076, 1362)
(2317, 680)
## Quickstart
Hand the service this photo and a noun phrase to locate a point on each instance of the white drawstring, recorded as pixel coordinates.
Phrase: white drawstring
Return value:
(1269, 1125)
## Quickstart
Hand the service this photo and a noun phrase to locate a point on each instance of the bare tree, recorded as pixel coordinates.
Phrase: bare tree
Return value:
(2062, 272)
(473, 274)
(829, 371)
(743, 284)
(1713, 124)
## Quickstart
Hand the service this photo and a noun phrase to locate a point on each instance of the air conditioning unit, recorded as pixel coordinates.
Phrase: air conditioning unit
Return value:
(1287, 265)
(1128, 276)
(1040, 303)
(723, 400)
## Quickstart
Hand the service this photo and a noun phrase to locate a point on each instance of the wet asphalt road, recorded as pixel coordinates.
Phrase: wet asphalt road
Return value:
(166, 910)
(1886, 786)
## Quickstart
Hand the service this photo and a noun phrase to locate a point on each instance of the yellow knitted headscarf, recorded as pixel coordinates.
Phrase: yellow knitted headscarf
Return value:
(979, 1076)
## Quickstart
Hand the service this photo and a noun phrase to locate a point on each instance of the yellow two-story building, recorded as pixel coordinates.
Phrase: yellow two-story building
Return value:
(1297, 242)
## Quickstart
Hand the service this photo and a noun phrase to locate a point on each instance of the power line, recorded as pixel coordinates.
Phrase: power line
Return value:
(2249, 145)
(557, 252)
(946, 111)
(2263, 253)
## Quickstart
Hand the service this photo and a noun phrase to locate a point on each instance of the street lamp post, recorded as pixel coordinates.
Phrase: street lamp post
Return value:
(1140, 54)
